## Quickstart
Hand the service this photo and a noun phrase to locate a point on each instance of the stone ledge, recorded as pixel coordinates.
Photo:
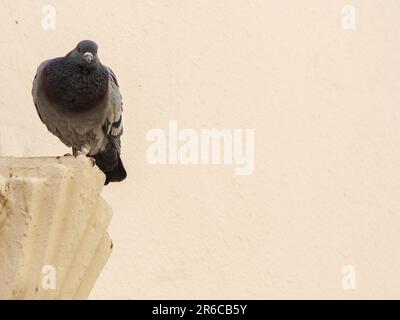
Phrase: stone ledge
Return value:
(51, 214)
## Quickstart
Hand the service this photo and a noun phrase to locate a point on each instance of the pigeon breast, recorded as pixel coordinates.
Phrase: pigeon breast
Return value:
(73, 87)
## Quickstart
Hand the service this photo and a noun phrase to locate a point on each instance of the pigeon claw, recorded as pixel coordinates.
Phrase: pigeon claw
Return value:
(92, 160)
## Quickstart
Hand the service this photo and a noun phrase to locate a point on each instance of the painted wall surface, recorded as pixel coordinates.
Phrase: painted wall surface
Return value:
(319, 217)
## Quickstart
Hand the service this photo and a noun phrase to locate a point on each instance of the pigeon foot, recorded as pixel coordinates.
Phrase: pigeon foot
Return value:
(92, 160)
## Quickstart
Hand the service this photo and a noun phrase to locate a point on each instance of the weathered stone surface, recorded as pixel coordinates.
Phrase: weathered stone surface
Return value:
(52, 218)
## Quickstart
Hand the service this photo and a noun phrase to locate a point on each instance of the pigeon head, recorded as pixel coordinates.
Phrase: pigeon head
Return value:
(85, 53)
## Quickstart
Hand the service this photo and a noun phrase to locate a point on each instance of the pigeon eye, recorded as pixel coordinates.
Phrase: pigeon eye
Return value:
(79, 49)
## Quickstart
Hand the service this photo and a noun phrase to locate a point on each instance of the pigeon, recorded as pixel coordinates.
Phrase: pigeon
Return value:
(78, 99)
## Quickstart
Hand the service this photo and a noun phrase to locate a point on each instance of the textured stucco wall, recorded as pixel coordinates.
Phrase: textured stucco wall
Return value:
(324, 103)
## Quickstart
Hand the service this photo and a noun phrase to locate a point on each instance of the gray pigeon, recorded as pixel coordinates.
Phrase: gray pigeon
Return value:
(78, 99)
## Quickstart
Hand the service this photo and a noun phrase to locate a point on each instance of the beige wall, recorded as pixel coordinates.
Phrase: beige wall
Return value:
(325, 106)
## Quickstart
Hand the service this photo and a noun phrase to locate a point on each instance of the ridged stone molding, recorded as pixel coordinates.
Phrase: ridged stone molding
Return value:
(53, 227)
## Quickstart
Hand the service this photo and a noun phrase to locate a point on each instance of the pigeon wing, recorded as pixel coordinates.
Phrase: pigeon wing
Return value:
(42, 105)
(35, 87)
(113, 126)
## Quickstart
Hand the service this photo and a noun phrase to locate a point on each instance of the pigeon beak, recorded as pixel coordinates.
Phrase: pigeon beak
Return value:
(88, 56)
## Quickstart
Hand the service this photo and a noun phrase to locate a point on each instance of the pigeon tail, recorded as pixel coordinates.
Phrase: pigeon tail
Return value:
(117, 174)
(111, 164)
